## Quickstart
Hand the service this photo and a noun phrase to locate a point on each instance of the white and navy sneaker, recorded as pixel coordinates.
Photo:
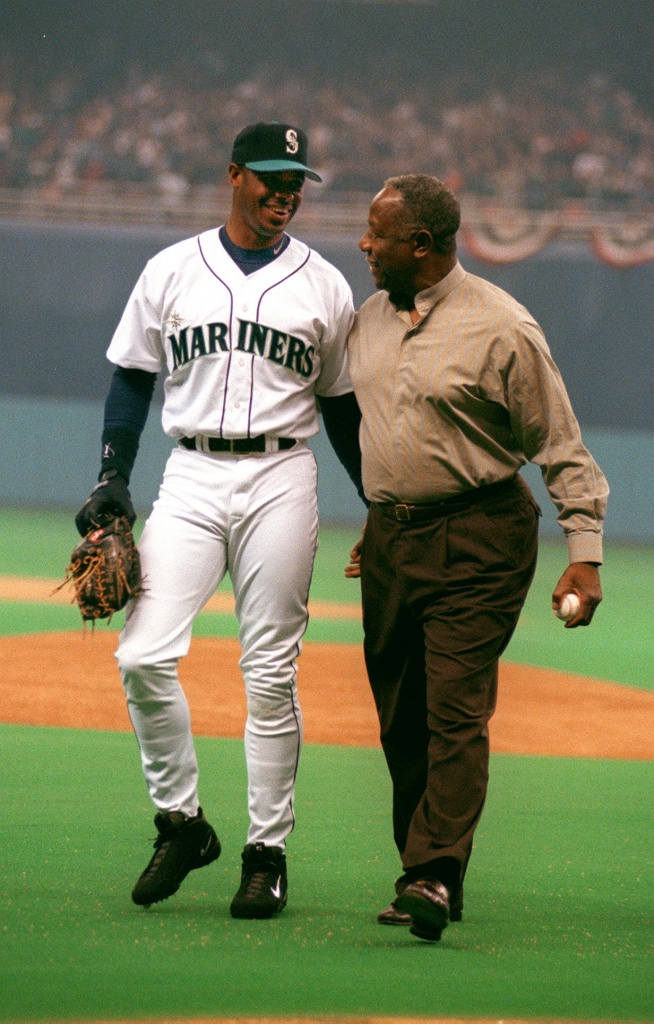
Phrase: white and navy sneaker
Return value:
(263, 891)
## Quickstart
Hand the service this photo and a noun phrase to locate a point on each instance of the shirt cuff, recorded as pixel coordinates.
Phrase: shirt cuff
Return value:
(585, 547)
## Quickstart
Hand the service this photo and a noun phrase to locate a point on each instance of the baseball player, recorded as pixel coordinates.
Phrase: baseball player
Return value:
(249, 325)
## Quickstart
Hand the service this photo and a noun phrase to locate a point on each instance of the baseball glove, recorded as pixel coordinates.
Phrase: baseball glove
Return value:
(105, 570)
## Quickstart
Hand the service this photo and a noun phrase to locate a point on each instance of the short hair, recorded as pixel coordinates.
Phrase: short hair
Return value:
(433, 205)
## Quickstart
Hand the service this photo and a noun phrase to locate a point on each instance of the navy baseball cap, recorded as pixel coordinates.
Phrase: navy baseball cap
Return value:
(273, 147)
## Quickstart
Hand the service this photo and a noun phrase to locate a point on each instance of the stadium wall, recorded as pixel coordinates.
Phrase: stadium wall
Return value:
(63, 288)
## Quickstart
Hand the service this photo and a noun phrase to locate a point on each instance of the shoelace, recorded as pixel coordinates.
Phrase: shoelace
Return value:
(256, 882)
(161, 845)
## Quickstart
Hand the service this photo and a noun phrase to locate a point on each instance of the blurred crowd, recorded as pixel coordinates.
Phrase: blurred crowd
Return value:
(538, 142)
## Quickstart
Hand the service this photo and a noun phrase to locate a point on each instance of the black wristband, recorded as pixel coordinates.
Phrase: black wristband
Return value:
(119, 448)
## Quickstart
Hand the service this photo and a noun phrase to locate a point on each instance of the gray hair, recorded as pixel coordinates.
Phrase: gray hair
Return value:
(433, 205)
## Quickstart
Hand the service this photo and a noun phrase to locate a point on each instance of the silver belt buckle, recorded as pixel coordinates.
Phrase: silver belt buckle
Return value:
(403, 513)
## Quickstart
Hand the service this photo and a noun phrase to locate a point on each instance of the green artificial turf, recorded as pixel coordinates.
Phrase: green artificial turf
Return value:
(557, 922)
(618, 645)
(39, 618)
(36, 542)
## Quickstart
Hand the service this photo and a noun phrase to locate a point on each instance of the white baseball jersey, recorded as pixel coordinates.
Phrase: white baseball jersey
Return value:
(245, 354)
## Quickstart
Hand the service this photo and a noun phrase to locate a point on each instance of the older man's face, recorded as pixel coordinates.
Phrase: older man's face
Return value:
(389, 242)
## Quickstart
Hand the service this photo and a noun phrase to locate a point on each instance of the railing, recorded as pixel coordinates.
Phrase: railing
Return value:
(193, 213)
(492, 231)
(209, 207)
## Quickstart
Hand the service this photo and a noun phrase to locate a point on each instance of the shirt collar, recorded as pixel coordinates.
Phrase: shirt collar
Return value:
(427, 299)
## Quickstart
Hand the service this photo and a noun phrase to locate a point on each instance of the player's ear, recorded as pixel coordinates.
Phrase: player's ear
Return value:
(235, 174)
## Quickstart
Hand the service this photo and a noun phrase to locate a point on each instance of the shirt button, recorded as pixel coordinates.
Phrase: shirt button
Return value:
(237, 405)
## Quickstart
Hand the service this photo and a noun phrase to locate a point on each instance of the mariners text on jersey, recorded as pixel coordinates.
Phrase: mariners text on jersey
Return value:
(254, 338)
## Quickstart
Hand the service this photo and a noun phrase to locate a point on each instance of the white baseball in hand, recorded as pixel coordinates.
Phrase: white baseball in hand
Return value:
(568, 607)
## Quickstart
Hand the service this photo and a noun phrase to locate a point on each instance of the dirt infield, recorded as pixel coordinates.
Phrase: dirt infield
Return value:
(70, 679)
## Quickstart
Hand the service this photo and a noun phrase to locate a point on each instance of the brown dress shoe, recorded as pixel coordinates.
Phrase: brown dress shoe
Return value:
(392, 915)
(427, 901)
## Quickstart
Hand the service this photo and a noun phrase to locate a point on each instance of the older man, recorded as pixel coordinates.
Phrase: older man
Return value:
(457, 390)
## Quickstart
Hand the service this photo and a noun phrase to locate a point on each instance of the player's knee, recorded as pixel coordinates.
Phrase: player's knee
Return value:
(275, 702)
(140, 670)
(130, 659)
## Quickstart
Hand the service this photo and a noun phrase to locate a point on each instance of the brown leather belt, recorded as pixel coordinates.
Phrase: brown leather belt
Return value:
(238, 445)
(406, 513)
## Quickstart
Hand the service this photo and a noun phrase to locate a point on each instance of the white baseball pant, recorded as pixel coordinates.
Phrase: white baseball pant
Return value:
(255, 516)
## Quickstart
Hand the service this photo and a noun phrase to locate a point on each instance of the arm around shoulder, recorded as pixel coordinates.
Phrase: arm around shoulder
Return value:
(342, 418)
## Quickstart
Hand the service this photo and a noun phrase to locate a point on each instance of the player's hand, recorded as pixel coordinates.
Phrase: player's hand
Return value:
(582, 579)
(353, 570)
(108, 499)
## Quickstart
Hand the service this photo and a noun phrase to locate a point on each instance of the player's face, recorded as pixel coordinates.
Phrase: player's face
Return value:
(388, 242)
(264, 203)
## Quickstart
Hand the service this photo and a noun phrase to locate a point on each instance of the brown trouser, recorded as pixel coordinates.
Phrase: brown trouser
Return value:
(442, 594)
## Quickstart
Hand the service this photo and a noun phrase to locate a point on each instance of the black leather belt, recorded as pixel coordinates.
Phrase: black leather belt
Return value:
(238, 445)
(405, 513)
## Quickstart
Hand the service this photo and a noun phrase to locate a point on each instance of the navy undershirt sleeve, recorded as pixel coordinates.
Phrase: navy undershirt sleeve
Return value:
(342, 417)
(125, 414)
(128, 400)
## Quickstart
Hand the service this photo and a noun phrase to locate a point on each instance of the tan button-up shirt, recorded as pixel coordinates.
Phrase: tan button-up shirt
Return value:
(465, 397)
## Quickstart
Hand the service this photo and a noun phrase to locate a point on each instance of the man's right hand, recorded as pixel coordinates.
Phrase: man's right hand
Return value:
(353, 570)
(108, 499)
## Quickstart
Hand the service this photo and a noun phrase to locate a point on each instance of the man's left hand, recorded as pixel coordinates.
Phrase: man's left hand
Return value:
(582, 579)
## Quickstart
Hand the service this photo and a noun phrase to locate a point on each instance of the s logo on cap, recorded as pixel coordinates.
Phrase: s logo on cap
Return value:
(292, 145)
